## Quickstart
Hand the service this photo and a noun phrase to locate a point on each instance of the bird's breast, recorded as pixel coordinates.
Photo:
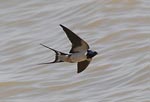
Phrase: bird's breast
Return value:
(77, 57)
(73, 57)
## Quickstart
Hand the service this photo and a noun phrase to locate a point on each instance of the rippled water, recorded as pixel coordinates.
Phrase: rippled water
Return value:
(118, 29)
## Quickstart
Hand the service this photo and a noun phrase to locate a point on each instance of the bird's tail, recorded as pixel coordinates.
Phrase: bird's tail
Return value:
(57, 54)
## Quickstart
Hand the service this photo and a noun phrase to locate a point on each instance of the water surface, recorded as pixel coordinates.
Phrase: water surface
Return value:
(118, 29)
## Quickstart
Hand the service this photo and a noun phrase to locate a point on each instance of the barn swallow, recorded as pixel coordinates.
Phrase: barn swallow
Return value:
(80, 52)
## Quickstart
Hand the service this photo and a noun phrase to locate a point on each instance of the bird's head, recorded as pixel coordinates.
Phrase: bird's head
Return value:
(91, 53)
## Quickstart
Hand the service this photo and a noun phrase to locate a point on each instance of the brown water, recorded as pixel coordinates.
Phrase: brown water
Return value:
(118, 29)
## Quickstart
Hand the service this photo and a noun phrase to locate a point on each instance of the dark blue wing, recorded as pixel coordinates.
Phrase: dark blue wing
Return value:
(78, 44)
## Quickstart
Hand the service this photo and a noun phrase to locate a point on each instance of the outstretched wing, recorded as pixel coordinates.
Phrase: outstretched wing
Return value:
(78, 44)
(83, 65)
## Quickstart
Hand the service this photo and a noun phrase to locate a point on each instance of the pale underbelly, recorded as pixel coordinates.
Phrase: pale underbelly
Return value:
(73, 58)
(77, 59)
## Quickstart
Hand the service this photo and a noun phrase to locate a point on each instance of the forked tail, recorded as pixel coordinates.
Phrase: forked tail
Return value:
(57, 54)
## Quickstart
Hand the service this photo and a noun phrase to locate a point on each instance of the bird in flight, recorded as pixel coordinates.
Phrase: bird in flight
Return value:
(80, 52)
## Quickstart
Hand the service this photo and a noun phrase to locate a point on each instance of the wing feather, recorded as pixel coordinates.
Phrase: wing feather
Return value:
(78, 44)
(83, 65)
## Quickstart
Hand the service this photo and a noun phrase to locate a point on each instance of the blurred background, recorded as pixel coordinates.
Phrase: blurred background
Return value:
(119, 30)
